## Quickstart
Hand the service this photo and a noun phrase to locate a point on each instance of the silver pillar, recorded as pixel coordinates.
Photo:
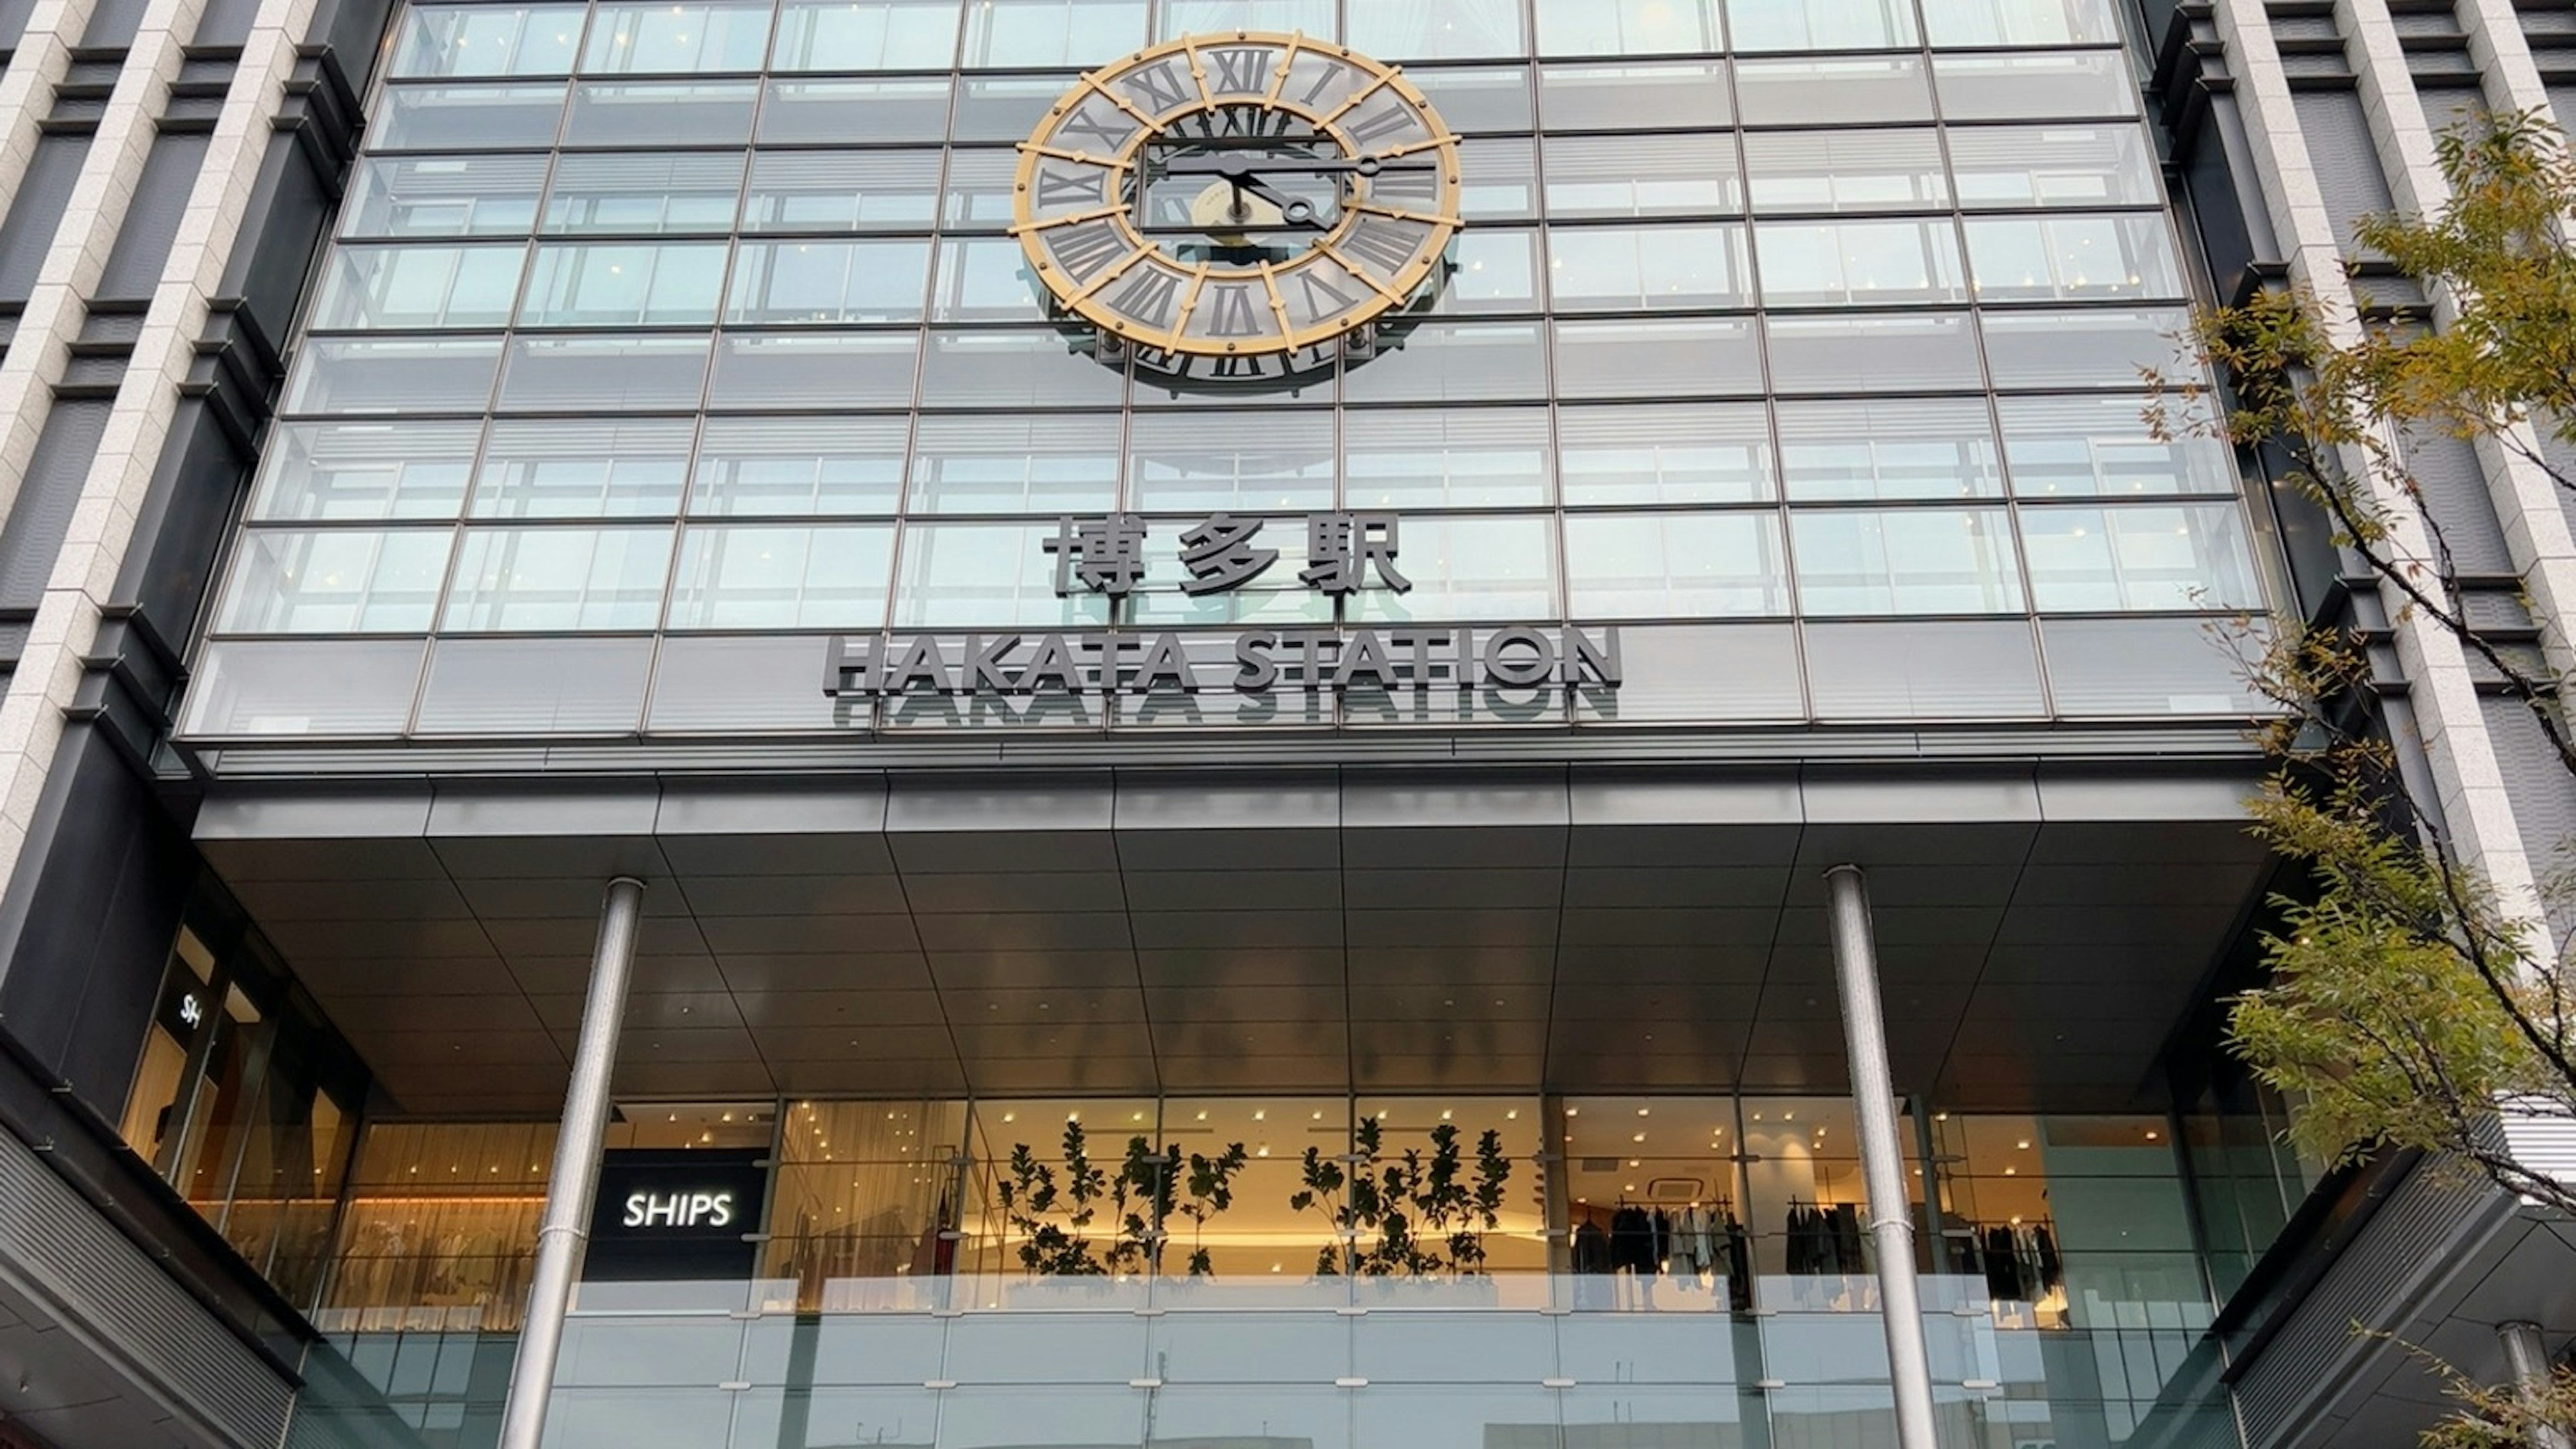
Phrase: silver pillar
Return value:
(1882, 1161)
(2527, 1354)
(565, 1232)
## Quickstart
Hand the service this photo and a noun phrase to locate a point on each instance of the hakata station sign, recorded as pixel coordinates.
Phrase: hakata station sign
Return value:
(1108, 556)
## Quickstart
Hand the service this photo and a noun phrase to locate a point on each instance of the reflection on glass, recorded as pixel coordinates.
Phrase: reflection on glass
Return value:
(1658, 359)
(689, 192)
(1452, 30)
(799, 466)
(1820, 24)
(1859, 263)
(2072, 258)
(392, 375)
(2140, 557)
(423, 196)
(984, 279)
(1468, 569)
(1451, 458)
(660, 113)
(1889, 352)
(2075, 84)
(583, 469)
(866, 35)
(1627, 27)
(1680, 175)
(1665, 453)
(1666, 95)
(1825, 92)
(814, 370)
(840, 112)
(1908, 561)
(1684, 268)
(602, 285)
(1312, 18)
(365, 470)
(465, 117)
(567, 579)
(2118, 446)
(1977, 23)
(481, 40)
(1889, 449)
(2074, 166)
(1217, 461)
(1064, 464)
(782, 577)
(827, 282)
(693, 35)
(1846, 171)
(629, 373)
(1006, 34)
(336, 582)
(841, 191)
(985, 575)
(419, 286)
(1674, 565)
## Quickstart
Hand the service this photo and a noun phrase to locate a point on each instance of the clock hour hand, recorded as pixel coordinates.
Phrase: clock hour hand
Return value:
(1296, 211)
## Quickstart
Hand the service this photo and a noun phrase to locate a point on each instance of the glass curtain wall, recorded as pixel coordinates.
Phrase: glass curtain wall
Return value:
(658, 342)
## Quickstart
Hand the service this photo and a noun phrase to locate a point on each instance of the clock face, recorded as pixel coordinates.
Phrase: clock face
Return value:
(1220, 196)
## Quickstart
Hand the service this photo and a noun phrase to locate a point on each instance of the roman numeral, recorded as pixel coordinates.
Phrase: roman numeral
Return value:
(1159, 86)
(1112, 132)
(1086, 251)
(1332, 71)
(1243, 70)
(1231, 312)
(1233, 368)
(1411, 188)
(1059, 188)
(1322, 297)
(1390, 117)
(1387, 245)
(1148, 297)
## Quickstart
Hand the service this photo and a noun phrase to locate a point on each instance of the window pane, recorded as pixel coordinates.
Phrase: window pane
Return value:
(985, 575)
(598, 285)
(1312, 18)
(1496, 270)
(2079, 446)
(979, 189)
(842, 191)
(2028, 87)
(1821, 24)
(1477, 97)
(2074, 166)
(1627, 27)
(1859, 263)
(2091, 348)
(628, 194)
(1952, 669)
(1682, 175)
(799, 465)
(866, 35)
(1005, 108)
(1239, 462)
(1905, 561)
(1887, 352)
(341, 581)
(443, 196)
(1055, 464)
(465, 118)
(2073, 258)
(2172, 556)
(1665, 453)
(392, 375)
(1454, 361)
(837, 113)
(814, 370)
(1013, 369)
(774, 577)
(1815, 92)
(985, 279)
(1973, 23)
(1827, 171)
(509, 687)
(1499, 178)
(587, 374)
(558, 579)
(1683, 268)
(695, 35)
(1008, 34)
(419, 286)
(1274, 596)
(828, 282)
(2142, 667)
(304, 687)
(1446, 458)
(1674, 565)
(1467, 569)
(463, 40)
(1893, 448)
(1625, 97)
(583, 469)
(1453, 29)
(366, 470)
(1616, 359)
(661, 113)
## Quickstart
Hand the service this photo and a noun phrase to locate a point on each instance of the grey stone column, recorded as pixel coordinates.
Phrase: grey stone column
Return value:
(565, 1232)
(1882, 1160)
(2527, 1353)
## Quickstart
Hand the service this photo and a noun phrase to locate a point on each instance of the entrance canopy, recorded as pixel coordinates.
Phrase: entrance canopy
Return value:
(2041, 928)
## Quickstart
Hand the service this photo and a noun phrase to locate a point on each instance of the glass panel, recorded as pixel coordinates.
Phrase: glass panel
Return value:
(1700, 673)
(514, 687)
(443, 196)
(476, 40)
(464, 118)
(2093, 348)
(799, 465)
(2077, 166)
(180, 1019)
(1975, 23)
(418, 1236)
(1955, 669)
(1454, 458)
(1451, 30)
(1674, 565)
(1684, 268)
(1665, 453)
(985, 280)
(394, 375)
(2140, 557)
(775, 577)
(842, 191)
(693, 35)
(419, 286)
(1890, 352)
(1004, 108)
(979, 187)
(1460, 361)
(1056, 464)
(828, 282)
(1820, 24)
(985, 575)
(866, 35)
(318, 687)
(737, 683)
(789, 370)
(837, 113)
(596, 284)
(1468, 569)
(1476, 98)
(1905, 561)
(583, 374)
(1499, 179)
(1494, 270)
(1657, 359)
(661, 114)
(293, 581)
(2029, 87)
(1888, 449)
(1218, 462)
(2143, 667)
(1633, 97)
(1007, 34)
(365, 470)
(1681, 175)
(2079, 446)
(1846, 171)
(1628, 27)
(644, 194)
(1197, 17)
(558, 579)
(2072, 258)
(1273, 595)
(1859, 263)
(1013, 369)
(1816, 92)
(583, 469)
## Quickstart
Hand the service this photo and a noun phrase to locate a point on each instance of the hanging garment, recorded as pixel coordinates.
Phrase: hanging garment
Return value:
(1704, 1232)
(1591, 1248)
(1632, 1240)
(2003, 1266)
(1739, 1267)
(1846, 1238)
(1663, 1238)
(2052, 1269)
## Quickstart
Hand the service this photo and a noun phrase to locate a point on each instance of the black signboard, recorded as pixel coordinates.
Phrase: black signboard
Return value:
(673, 1214)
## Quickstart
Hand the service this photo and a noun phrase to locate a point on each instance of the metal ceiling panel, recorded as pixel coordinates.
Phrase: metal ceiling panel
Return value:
(761, 972)
(815, 895)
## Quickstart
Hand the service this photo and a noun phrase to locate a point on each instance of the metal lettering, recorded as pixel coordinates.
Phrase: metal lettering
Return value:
(1257, 671)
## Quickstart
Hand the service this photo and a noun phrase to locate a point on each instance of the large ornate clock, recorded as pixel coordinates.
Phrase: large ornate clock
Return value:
(1237, 196)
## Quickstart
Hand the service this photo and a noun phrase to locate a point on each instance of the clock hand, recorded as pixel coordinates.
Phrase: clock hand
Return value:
(1294, 210)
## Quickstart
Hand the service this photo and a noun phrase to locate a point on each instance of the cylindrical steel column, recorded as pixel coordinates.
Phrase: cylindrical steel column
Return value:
(1882, 1162)
(566, 1229)
(2527, 1354)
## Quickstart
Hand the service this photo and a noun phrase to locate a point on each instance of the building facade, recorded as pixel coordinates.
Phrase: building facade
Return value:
(1147, 704)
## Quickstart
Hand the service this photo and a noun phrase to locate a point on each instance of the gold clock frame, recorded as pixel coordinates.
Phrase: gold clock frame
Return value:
(1087, 298)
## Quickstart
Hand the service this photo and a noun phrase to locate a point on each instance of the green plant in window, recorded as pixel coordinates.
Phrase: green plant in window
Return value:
(1142, 1196)
(1211, 1191)
(1052, 1213)
(1323, 1183)
(1419, 1215)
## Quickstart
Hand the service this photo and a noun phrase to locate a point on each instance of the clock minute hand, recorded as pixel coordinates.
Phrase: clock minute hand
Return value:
(1295, 211)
